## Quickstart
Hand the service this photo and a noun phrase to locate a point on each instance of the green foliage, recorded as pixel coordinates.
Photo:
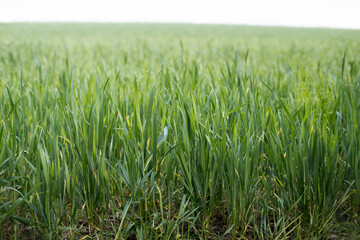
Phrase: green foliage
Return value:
(178, 131)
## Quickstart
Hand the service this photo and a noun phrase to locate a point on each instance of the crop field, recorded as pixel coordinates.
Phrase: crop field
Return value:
(175, 131)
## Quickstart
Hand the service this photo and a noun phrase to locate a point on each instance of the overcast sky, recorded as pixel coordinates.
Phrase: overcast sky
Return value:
(307, 13)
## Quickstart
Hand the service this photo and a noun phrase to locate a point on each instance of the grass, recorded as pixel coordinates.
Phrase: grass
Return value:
(158, 131)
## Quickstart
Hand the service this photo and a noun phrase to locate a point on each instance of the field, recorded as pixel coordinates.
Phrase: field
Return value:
(174, 131)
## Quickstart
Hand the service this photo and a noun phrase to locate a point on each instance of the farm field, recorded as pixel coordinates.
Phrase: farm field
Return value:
(175, 131)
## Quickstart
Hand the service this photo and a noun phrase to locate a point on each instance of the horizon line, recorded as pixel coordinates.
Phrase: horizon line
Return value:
(179, 23)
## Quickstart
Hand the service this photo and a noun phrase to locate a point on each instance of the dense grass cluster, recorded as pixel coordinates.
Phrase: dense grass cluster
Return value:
(178, 131)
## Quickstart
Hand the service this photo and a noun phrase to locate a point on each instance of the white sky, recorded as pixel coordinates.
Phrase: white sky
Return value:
(307, 13)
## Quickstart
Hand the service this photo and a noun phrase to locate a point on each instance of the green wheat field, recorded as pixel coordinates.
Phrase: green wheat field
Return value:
(175, 131)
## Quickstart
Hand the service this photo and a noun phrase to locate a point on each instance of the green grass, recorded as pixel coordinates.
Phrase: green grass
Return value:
(157, 131)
